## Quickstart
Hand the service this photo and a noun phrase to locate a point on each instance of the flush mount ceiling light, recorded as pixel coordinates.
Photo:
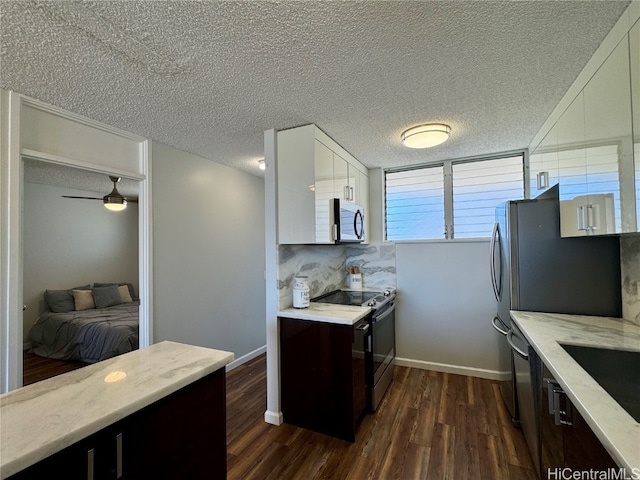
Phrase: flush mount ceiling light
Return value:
(262, 164)
(425, 136)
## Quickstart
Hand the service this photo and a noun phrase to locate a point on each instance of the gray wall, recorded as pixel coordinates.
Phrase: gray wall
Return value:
(208, 253)
(445, 305)
(73, 242)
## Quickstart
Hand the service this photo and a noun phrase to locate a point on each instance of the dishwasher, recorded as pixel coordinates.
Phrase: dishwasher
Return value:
(528, 375)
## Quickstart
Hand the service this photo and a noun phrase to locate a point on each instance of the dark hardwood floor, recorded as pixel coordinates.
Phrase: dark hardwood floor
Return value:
(36, 368)
(430, 425)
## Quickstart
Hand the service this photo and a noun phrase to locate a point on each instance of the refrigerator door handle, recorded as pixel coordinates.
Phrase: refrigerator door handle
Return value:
(499, 326)
(492, 249)
(514, 347)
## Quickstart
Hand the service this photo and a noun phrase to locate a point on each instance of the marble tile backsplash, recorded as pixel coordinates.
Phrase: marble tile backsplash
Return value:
(630, 272)
(377, 263)
(325, 267)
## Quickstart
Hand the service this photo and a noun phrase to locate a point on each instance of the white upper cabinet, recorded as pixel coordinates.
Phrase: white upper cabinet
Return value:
(634, 55)
(595, 153)
(312, 170)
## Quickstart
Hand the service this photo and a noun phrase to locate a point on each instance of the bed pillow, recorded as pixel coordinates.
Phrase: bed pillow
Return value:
(106, 296)
(62, 301)
(132, 291)
(83, 300)
(125, 294)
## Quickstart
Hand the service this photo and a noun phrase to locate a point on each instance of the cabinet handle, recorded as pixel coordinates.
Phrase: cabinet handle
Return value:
(346, 192)
(560, 414)
(119, 456)
(591, 218)
(351, 196)
(587, 218)
(542, 179)
(581, 218)
(90, 463)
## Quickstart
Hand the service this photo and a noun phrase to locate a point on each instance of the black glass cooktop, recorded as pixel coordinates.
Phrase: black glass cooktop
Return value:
(342, 297)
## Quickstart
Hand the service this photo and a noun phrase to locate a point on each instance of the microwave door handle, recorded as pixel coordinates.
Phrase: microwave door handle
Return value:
(359, 234)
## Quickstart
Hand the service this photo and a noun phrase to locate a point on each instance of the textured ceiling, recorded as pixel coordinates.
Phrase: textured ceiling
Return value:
(209, 77)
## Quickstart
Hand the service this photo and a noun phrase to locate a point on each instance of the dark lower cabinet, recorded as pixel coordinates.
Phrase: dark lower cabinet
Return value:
(323, 382)
(567, 441)
(180, 436)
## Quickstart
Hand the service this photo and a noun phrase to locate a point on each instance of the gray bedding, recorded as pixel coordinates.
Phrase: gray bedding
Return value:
(87, 335)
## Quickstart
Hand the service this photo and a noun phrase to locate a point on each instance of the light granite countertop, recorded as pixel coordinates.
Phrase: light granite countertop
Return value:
(614, 427)
(41, 419)
(327, 312)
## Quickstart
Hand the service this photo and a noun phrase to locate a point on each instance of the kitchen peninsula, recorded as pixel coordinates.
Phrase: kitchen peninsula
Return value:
(157, 412)
(615, 428)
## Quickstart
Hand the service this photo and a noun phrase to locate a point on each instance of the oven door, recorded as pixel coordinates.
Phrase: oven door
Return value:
(383, 352)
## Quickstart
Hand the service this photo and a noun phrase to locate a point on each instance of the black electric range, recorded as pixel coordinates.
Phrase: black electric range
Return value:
(358, 298)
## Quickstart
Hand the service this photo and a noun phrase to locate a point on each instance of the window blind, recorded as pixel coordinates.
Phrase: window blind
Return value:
(478, 188)
(422, 201)
(415, 203)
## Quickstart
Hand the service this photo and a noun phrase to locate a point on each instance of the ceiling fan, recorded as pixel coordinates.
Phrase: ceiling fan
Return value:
(114, 201)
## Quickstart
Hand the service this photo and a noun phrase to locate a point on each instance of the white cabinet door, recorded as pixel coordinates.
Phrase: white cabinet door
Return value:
(608, 134)
(296, 177)
(634, 55)
(323, 188)
(340, 178)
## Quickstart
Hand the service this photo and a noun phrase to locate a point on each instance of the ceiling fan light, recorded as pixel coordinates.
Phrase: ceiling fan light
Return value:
(114, 203)
(425, 136)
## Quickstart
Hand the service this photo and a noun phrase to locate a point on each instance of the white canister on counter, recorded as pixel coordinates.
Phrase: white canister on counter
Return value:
(300, 293)
(354, 281)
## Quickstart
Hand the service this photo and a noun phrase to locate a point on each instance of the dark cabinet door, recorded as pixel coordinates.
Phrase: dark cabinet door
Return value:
(316, 365)
(181, 436)
(567, 440)
(582, 449)
(91, 458)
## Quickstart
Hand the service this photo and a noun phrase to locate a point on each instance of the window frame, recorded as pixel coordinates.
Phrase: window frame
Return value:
(449, 233)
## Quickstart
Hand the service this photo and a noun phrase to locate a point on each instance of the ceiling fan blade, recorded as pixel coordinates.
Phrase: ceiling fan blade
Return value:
(84, 198)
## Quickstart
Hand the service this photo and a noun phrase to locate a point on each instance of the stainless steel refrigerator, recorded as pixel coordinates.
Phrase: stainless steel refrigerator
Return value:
(534, 269)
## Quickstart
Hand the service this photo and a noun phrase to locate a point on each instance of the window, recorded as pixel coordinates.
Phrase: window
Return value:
(454, 199)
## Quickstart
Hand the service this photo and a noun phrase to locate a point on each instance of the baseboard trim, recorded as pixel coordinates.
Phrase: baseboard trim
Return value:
(274, 418)
(245, 358)
(456, 369)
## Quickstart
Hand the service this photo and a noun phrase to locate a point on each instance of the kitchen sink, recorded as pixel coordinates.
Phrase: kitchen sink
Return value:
(617, 371)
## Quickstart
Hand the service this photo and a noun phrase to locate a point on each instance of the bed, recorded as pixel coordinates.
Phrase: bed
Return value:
(89, 335)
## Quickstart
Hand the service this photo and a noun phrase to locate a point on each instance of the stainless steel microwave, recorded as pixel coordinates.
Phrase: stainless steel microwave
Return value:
(348, 222)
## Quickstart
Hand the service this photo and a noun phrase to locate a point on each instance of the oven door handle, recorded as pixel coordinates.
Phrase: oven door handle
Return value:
(385, 314)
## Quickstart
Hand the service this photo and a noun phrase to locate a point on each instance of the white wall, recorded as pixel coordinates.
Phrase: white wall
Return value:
(445, 305)
(73, 242)
(208, 253)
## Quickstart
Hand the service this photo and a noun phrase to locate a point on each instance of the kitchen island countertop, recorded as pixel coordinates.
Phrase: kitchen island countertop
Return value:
(46, 417)
(618, 432)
